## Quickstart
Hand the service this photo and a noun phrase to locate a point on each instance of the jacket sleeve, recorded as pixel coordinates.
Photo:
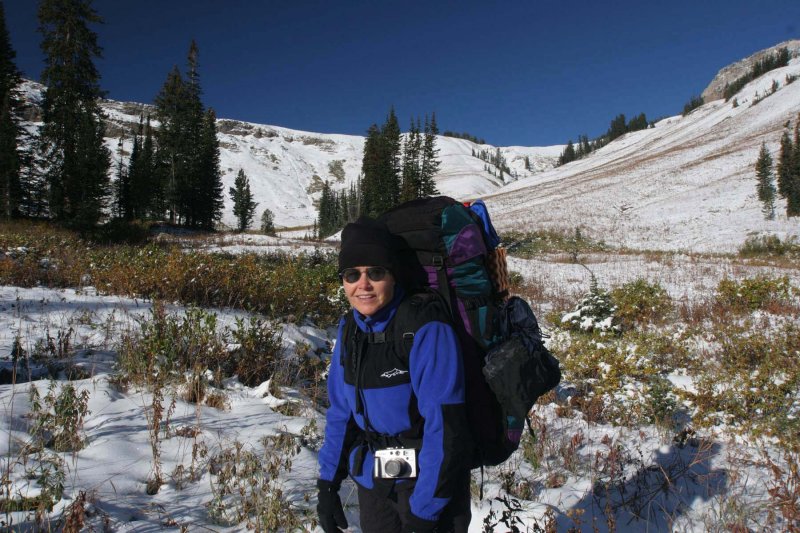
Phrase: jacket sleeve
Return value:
(340, 427)
(437, 377)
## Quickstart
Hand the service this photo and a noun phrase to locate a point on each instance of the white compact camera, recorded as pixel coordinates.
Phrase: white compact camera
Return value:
(395, 463)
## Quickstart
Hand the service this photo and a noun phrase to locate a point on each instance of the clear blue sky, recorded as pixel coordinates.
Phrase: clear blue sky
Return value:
(528, 73)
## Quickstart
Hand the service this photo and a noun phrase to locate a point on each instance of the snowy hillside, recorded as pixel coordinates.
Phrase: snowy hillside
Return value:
(686, 184)
(169, 386)
(287, 167)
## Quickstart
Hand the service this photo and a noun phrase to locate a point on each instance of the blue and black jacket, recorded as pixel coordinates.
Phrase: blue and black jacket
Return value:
(402, 370)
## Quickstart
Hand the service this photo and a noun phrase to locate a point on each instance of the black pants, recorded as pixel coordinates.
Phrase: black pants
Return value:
(386, 514)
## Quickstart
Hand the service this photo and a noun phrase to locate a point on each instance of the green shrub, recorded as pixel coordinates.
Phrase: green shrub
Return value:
(769, 245)
(275, 284)
(169, 347)
(118, 231)
(257, 356)
(57, 418)
(640, 302)
(750, 381)
(247, 488)
(662, 403)
(528, 245)
(751, 294)
(622, 379)
(595, 312)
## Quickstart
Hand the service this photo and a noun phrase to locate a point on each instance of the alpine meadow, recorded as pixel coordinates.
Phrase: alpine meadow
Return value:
(169, 300)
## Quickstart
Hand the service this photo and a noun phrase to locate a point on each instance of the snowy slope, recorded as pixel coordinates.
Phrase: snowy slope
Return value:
(287, 167)
(688, 183)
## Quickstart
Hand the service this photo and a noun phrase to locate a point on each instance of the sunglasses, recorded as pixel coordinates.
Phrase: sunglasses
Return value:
(352, 275)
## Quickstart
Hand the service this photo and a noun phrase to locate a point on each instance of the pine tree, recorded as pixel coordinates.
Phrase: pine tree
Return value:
(353, 201)
(171, 136)
(187, 150)
(199, 179)
(785, 164)
(243, 205)
(10, 131)
(207, 183)
(327, 212)
(430, 159)
(268, 222)
(151, 192)
(793, 184)
(144, 188)
(766, 182)
(390, 175)
(72, 135)
(133, 162)
(124, 207)
(617, 128)
(380, 185)
(568, 155)
(411, 163)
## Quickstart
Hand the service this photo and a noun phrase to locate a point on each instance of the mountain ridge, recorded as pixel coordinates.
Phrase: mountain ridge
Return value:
(287, 168)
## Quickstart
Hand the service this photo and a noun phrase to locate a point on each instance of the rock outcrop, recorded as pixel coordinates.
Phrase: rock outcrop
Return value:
(734, 71)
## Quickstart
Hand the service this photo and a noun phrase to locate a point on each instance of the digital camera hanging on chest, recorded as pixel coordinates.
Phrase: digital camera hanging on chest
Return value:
(395, 463)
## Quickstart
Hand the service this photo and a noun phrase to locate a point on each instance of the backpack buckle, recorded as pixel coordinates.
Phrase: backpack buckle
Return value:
(438, 261)
(377, 337)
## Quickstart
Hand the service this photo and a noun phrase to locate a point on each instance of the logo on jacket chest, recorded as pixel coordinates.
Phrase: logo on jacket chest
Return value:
(393, 373)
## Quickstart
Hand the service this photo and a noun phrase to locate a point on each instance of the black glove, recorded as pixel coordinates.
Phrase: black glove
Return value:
(329, 507)
(414, 524)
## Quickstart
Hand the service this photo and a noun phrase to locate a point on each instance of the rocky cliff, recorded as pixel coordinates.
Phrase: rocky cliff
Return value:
(734, 71)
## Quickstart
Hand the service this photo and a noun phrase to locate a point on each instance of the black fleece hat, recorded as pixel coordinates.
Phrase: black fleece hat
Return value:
(366, 242)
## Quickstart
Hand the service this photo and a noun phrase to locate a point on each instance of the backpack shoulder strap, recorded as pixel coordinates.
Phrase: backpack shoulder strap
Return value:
(416, 310)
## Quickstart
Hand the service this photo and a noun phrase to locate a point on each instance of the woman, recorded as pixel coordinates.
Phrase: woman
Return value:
(396, 422)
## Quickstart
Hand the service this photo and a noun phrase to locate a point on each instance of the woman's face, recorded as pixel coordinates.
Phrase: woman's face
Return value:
(368, 293)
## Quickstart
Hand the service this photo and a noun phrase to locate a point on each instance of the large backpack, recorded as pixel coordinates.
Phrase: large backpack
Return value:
(444, 245)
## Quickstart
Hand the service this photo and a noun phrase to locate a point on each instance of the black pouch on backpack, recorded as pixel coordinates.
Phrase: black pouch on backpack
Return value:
(520, 369)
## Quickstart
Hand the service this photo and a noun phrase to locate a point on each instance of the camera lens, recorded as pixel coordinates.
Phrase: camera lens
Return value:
(393, 467)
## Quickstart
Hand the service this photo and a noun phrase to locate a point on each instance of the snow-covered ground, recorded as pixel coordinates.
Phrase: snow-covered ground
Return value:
(684, 186)
(115, 465)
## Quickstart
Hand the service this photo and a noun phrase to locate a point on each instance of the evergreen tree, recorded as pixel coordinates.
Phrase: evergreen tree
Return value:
(390, 175)
(391, 134)
(144, 188)
(793, 184)
(766, 182)
(267, 222)
(638, 123)
(785, 164)
(327, 212)
(411, 163)
(198, 205)
(243, 205)
(618, 128)
(150, 193)
(133, 163)
(124, 207)
(71, 137)
(207, 177)
(568, 155)
(187, 150)
(381, 182)
(353, 201)
(10, 131)
(370, 173)
(172, 142)
(430, 159)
